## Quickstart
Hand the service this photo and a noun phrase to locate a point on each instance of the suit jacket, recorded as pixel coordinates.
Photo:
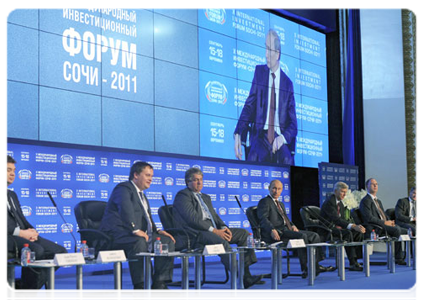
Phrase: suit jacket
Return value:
(329, 211)
(12, 223)
(370, 213)
(402, 211)
(188, 213)
(255, 108)
(124, 214)
(270, 217)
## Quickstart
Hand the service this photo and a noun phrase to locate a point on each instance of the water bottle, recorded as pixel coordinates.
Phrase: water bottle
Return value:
(84, 249)
(158, 246)
(373, 235)
(250, 241)
(25, 255)
(410, 233)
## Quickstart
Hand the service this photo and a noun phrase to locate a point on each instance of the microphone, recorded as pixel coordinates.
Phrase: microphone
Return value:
(58, 210)
(328, 225)
(170, 216)
(239, 203)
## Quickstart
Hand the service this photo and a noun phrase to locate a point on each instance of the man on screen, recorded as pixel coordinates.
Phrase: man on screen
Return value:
(128, 220)
(20, 232)
(194, 212)
(269, 114)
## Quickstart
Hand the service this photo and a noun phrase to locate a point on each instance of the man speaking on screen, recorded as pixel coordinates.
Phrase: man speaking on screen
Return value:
(269, 114)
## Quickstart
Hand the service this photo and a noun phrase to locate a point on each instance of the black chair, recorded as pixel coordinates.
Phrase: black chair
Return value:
(310, 215)
(390, 212)
(88, 215)
(166, 218)
(252, 217)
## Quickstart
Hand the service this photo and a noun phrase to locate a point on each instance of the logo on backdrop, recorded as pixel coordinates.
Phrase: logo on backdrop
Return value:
(216, 92)
(104, 178)
(26, 210)
(25, 174)
(66, 159)
(217, 16)
(66, 193)
(66, 227)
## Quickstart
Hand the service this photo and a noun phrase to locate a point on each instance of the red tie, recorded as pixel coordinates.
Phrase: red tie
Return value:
(285, 218)
(272, 109)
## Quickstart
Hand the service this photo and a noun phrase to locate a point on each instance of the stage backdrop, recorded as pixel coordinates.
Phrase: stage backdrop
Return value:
(73, 174)
(162, 80)
(331, 173)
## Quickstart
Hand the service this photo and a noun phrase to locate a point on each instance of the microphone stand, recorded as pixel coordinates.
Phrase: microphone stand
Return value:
(170, 216)
(70, 230)
(326, 224)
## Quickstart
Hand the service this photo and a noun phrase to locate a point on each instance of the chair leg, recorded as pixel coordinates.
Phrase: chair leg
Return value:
(203, 281)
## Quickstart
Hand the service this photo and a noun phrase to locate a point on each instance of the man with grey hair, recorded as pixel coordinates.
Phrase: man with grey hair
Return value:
(268, 116)
(194, 212)
(333, 210)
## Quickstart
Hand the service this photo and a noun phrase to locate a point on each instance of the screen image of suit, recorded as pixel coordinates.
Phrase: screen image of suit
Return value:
(188, 215)
(43, 248)
(329, 211)
(271, 218)
(371, 216)
(402, 214)
(123, 215)
(254, 114)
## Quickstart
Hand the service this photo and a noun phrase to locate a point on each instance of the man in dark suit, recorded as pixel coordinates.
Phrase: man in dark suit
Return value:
(405, 211)
(333, 210)
(194, 212)
(275, 226)
(20, 232)
(372, 211)
(128, 220)
(269, 112)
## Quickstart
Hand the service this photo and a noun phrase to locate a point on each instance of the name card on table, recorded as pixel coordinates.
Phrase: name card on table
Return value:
(404, 237)
(214, 249)
(297, 243)
(111, 256)
(69, 259)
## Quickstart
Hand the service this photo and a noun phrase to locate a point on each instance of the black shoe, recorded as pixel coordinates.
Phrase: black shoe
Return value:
(252, 280)
(160, 290)
(356, 267)
(304, 274)
(322, 269)
(138, 292)
(400, 262)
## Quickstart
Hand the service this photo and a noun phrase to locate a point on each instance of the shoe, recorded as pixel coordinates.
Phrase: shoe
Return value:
(138, 292)
(324, 269)
(304, 274)
(252, 280)
(356, 267)
(400, 262)
(160, 290)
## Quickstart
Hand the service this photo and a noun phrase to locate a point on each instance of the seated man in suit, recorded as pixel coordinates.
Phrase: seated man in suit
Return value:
(372, 211)
(194, 212)
(275, 226)
(333, 210)
(20, 232)
(128, 220)
(405, 211)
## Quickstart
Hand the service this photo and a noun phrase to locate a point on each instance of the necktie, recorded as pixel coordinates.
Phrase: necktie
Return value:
(149, 220)
(272, 109)
(339, 208)
(206, 209)
(15, 213)
(413, 209)
(381, 213)
(284, 216)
